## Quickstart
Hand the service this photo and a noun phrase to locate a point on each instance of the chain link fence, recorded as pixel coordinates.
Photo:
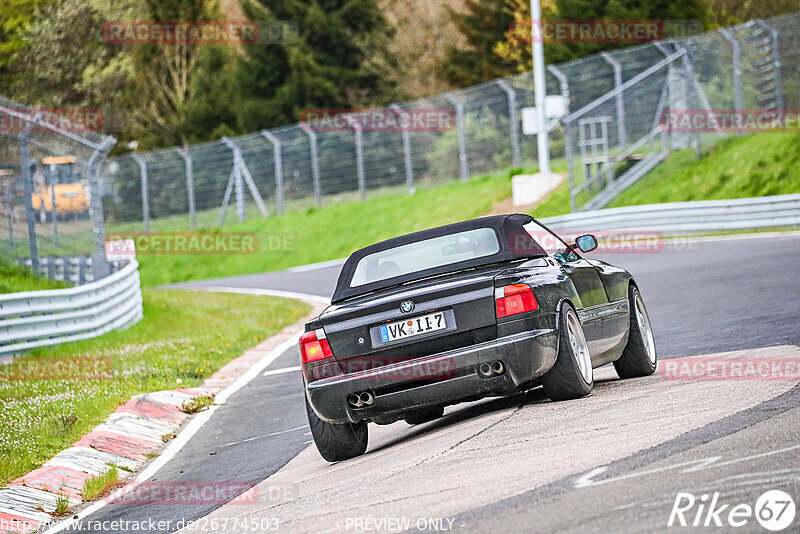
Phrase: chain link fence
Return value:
(611, 135)
(51, 193)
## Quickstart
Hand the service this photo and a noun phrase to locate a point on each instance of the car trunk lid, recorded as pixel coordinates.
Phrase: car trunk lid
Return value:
(466, 300)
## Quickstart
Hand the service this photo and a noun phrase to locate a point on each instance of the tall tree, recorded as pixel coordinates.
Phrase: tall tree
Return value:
(179, 91)
(424, 32)
(673, 13)
(16, 17)
(337, 58)
(483, 24)
(730, 12)
(87, 71)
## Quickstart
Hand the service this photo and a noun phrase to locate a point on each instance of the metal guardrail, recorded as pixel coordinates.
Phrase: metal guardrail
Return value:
(40, 318)
(688, 217)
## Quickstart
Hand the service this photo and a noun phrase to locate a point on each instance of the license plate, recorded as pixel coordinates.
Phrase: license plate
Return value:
(413, 327)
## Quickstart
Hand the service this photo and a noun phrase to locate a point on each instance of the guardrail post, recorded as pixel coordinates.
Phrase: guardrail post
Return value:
(312, 142)
(145, 194)
(189, 169)
(462, 136)
(409, 168)
(622, 134)
(278, 165)
(27, 179)
(776, 60)
(359, 141)
(736, 52)
(512, 120)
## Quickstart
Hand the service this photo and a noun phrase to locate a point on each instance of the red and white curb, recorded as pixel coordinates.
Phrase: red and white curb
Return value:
(128, 439)
(123, 440)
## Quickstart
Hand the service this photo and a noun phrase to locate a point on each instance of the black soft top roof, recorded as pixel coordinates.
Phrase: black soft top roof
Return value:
(515, 243)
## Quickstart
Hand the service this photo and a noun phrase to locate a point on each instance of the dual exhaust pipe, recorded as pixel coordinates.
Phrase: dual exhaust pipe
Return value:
(495, 368)
(365, 398)
(357, 400)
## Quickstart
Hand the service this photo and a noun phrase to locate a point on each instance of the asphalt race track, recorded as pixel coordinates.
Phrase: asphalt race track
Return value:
(612, 462)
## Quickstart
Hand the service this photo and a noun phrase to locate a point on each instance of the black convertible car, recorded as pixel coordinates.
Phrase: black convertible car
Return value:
(486, 307)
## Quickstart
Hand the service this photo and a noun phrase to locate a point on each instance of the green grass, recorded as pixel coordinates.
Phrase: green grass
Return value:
(737, 167)
(333, 231)
(14, 278)
(96, 486)
(62, 506)
(556, 203)
(52, 396)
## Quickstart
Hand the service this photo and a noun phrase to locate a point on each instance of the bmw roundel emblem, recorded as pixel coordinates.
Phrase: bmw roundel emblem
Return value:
(407, 306)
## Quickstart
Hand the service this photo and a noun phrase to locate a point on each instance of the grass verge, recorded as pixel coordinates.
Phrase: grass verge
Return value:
(15, 278)
(52, 396)
(737, 167)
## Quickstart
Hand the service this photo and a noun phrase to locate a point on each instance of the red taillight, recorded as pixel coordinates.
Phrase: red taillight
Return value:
(514, 299)
(314, 346)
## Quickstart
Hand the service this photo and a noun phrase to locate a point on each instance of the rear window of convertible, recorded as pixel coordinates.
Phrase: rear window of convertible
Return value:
(425, 255)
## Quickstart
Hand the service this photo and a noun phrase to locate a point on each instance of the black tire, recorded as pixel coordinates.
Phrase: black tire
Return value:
(639, 357)
(424, 415)
(565, 380)
(337, 442)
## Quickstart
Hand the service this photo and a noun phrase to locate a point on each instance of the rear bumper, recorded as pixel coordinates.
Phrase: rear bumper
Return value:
(444, 378)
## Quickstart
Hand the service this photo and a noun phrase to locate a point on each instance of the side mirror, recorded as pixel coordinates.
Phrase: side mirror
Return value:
(586, 243)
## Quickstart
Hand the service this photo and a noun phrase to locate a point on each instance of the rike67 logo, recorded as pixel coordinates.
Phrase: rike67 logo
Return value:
(774, 510)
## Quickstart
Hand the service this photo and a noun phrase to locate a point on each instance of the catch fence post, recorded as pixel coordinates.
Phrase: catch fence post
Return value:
(512, 120)
(622, 134)
(462, 137)
(145, 191)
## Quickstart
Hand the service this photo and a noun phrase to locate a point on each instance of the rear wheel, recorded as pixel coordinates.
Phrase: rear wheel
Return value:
(425, 415)
(639, 356)
(337, 442)
(571, 377)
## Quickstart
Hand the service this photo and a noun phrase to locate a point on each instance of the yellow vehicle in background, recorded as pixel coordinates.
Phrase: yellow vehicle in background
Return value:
(59, 189)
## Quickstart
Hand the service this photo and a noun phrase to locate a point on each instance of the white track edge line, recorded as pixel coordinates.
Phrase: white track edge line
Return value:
(263, 292)
(285, 370)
